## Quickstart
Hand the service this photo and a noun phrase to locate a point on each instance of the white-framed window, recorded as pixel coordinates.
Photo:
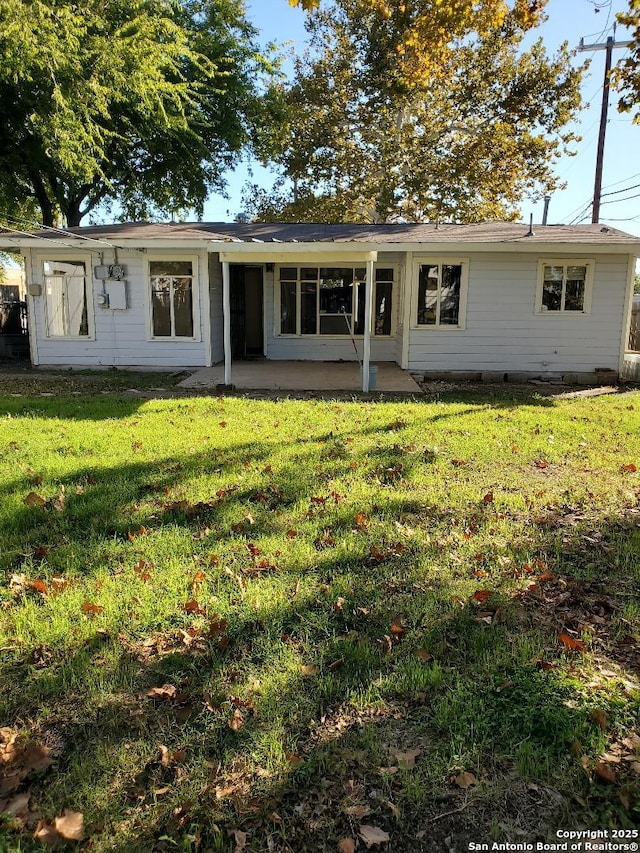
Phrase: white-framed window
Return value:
(321, 301)
(564, 286)
(441, 293)
(173, 298)
(68, 310)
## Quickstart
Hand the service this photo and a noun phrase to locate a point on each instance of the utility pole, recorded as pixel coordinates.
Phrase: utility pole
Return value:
(608, 46)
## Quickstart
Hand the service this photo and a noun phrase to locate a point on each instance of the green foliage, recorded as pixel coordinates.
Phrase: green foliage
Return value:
(143, 102)
(372, 137)
(626, 75)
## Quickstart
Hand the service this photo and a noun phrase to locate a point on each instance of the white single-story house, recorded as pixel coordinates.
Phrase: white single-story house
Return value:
(487, 299)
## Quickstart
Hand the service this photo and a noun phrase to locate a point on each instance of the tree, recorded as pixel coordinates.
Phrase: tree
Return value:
(466, 138)
(626, 75)
(144, 103)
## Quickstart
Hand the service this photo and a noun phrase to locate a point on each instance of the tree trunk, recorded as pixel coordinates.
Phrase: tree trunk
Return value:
(72, 213)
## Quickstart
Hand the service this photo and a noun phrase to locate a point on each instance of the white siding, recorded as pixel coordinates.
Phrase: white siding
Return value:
(121, 337)
(503, 332)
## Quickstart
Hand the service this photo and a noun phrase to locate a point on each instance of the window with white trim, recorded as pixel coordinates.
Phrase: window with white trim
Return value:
(564, 287)
(65, 299)
(440, 294)
(331, 300)
(172, 299)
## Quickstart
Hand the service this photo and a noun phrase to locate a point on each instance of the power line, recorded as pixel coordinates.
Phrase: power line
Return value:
(609, 46)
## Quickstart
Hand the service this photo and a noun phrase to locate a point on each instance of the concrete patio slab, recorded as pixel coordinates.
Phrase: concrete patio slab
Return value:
(265, 375)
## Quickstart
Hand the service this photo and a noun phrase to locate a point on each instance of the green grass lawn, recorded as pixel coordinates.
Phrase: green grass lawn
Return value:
(233, 624)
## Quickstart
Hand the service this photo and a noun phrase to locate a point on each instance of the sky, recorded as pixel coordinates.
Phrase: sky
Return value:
(568, 20)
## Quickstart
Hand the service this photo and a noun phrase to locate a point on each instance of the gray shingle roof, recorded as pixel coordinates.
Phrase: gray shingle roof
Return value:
(486, 232)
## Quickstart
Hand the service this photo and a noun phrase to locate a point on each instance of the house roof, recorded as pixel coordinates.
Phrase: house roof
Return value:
(496, 233)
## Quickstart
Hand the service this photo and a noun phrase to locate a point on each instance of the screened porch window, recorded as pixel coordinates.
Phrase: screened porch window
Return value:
(171, 299)
(331, 300)
(65, 291)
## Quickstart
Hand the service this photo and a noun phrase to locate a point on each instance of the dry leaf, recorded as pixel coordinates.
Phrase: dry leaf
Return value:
(488, 498)
(69, 825)
(424, 655)
(167, 691)
(34, 499)
(628, 469)
(605, 773)
(407, 760)
(17, 806)
(599, 717)
(346, 845)
(571, 644)
(92, 609)
(372, 835)
(308, 669)
(358, 811)
(236, 720)
(465, 780)
(238, 836)
(482, 595)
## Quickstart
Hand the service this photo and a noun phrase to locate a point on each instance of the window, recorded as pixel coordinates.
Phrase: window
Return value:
(172, 302)
(66, 306)
(440, 291)
(331, 300)
(564, 287)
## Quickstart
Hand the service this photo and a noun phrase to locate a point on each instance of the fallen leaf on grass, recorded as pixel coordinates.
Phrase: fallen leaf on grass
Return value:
(372, 835)
(240, 839)
(346, 845)
(482, 595)
(488, 498)
(407, 760)
(17, 806)
(465, 780)
(308, 669)
(167, 691)
(67, 827)
(571, 644)
(193, 607)
(628, 469)
(541, 463)
(291, 534)
(358, 811)
(92, 609)
(34, 499)
(236, 720)
(599, 717)
(424, 655)
(605, 773)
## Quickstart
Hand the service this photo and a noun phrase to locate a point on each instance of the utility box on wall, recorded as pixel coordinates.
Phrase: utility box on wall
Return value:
(116, 291)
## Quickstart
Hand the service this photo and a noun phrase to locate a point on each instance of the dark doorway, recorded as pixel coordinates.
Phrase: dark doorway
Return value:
(247, 330)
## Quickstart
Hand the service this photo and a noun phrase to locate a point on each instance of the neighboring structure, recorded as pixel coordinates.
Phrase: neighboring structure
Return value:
(492, 299)
(14, 335)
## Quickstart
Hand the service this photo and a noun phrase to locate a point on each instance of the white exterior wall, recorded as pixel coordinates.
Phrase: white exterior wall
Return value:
(503, 332)
(121, 338)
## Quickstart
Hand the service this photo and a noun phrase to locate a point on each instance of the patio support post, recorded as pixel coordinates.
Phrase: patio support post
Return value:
(226, 321)
(368, 318)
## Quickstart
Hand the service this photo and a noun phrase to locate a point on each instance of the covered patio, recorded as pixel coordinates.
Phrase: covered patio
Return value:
(267, 375)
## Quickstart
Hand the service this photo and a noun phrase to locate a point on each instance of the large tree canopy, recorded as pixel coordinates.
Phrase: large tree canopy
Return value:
(466, 137)
(626, 75)
(141, 102)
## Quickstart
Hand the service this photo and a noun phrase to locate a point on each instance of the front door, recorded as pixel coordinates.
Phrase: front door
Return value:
(246, 296)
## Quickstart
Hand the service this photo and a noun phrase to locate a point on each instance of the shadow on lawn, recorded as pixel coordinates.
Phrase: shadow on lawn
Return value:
(482, 703)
